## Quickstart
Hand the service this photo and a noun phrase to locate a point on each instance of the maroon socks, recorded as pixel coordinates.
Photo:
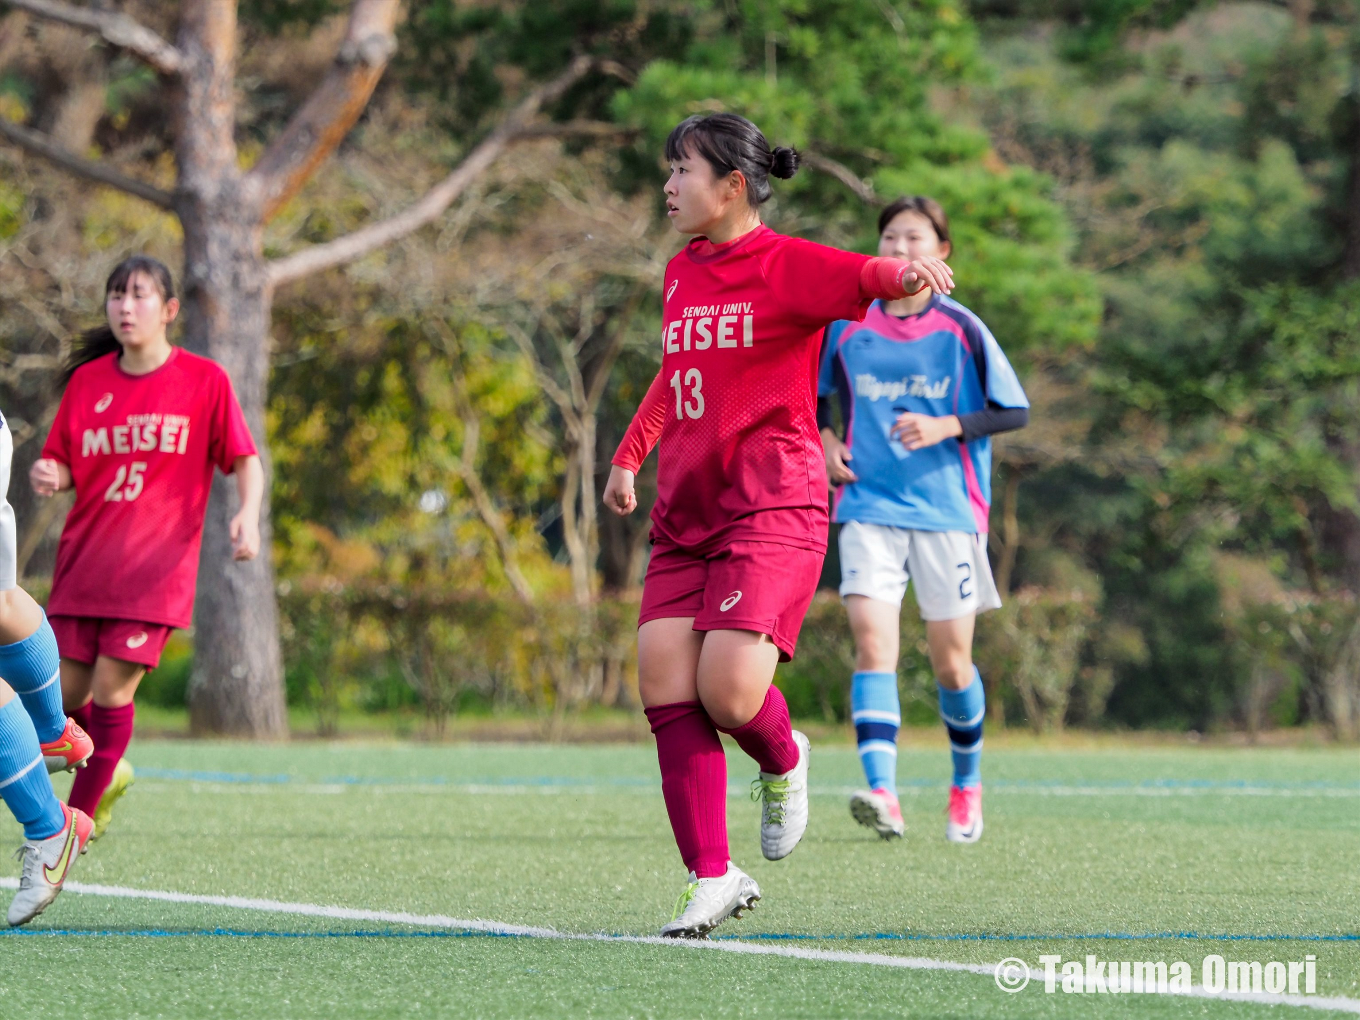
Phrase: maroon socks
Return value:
(82, 716)
(694, 783)
(110, 729)
(768, 738)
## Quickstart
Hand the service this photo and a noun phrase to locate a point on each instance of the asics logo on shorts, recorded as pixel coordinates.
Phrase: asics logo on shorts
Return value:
(102, 404)
(137, 640)
(671, 289)
(730, 601)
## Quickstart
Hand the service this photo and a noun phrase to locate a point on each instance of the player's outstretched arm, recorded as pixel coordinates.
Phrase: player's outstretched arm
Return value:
(245, 526)
(49, 477)
(890, 278)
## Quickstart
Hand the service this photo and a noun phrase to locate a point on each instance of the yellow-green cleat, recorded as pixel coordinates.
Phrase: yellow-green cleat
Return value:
(123, 777)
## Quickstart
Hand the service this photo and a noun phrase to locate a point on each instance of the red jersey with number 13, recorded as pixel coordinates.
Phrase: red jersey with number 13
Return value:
(141, 449)
(740, 454)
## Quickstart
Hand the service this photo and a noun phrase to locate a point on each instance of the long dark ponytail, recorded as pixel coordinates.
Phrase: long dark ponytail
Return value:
(97, 342)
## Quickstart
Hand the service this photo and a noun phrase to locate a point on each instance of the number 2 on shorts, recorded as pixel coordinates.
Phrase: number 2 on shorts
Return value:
(964, 591)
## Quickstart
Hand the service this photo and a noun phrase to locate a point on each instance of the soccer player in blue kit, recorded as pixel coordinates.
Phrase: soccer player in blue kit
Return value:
(922, 384)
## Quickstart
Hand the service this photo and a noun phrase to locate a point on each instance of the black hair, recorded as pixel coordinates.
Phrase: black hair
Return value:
(728, 142)
(97, 342)
(927, 207)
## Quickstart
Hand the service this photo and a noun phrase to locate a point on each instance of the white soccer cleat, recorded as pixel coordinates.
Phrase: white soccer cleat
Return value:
(965, 815)
(47, 862)
(784, 816)
(708, 902)
(878, 810)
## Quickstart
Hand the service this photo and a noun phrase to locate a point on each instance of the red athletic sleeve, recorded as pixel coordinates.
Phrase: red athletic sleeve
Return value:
(815, 283)
(645, 428)
(230, 434)
(884, 278)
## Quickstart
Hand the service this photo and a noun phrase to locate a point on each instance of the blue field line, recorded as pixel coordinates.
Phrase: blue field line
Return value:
(1081, 936)
(281, 779)
(388, 933)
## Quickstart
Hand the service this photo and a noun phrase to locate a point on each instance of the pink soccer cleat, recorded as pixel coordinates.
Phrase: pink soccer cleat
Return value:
(965, 815)
(70, 751)
(878, 810)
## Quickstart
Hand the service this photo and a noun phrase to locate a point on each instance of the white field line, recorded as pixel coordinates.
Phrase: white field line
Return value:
(734, 790)
(442, 921)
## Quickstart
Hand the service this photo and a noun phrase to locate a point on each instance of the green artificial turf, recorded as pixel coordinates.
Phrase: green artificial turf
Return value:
(1085, 843)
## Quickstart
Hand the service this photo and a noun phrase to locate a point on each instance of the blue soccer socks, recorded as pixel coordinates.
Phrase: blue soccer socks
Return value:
(32, 668)
(877, 714)
(962, 712)
(23, 778)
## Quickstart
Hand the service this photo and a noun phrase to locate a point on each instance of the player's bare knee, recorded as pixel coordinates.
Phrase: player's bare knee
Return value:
(955, 675)
(727, 712)
(875, 653)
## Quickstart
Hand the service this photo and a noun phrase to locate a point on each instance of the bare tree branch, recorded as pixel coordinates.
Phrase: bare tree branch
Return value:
(580, 129)
(437, 199)
(556, 393)
(33, 141)
(115, 27)
(324, 120)
(864, 189)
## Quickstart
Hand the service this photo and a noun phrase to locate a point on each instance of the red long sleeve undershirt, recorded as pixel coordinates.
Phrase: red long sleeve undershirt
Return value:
(880, 278)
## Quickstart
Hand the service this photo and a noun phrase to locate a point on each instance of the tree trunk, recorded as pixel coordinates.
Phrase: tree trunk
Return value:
(237, 682)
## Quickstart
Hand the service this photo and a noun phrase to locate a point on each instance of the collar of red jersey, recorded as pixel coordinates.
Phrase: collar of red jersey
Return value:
(701, 249)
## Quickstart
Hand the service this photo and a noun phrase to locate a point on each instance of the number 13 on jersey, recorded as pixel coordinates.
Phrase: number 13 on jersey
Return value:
(694, 406)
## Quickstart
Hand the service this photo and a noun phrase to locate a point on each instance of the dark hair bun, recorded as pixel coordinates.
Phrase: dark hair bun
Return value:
(783, 162)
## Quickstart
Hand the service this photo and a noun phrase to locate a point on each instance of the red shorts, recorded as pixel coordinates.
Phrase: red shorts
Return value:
(759, 586)
(85, 638)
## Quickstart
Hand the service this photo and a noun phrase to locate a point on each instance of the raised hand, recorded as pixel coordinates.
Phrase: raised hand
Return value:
(931, 272)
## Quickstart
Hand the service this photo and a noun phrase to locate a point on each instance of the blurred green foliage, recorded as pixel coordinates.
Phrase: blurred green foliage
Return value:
(1153, 206)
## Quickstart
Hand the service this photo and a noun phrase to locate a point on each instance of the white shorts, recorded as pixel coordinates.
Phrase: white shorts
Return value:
(9, 542)
(948, 568)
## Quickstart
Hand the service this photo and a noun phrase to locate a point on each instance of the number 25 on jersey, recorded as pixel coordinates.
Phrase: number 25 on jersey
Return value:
(117, 492)
(694, 406)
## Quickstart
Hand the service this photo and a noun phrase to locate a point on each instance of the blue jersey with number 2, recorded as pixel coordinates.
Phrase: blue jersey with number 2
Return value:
(939, 362)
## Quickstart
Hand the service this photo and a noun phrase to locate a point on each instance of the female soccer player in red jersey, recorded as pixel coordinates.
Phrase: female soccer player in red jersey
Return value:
(141, 426)
(740, 522)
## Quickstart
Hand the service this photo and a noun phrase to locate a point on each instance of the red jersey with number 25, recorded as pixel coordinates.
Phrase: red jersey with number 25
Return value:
(740, 454)
(141, 449)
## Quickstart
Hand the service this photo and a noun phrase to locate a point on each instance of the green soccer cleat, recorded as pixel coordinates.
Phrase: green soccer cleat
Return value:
(123, 777)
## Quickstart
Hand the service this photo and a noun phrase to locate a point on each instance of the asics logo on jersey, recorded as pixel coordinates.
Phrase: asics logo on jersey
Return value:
(57, 872)
(872, 388)
(137, 640)
(730, 601)
(671, 289)
(102, 404)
